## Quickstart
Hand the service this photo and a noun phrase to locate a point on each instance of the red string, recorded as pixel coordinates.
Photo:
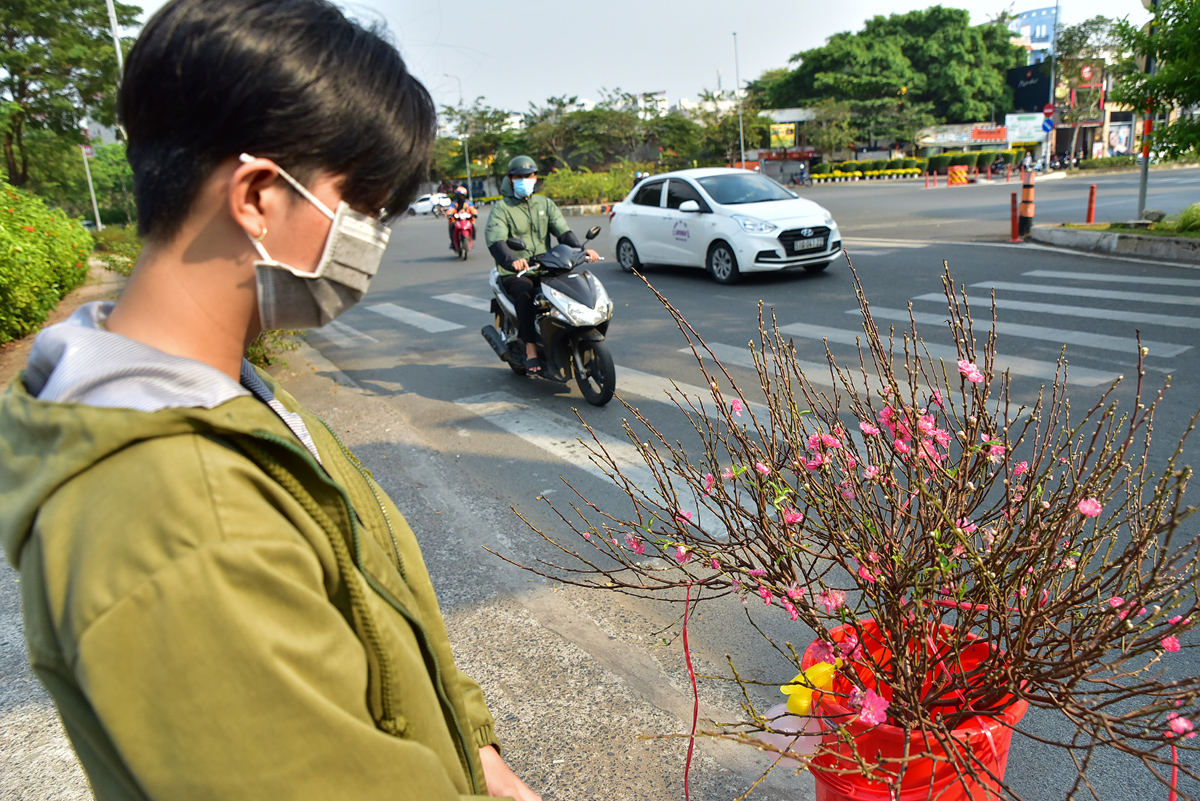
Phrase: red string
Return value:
(695, 696)
(1174, 774)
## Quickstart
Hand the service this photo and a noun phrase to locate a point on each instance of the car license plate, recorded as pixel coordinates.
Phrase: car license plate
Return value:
(808, 244)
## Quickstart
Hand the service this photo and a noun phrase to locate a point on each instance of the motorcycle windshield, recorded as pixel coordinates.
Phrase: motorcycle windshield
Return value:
(575, 286)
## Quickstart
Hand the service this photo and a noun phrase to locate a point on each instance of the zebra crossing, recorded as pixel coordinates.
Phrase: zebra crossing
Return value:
(1118, 298)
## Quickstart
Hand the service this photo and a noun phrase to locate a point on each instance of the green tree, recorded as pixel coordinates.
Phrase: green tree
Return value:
(832, 128)
(1173, 40)
(1079, 67)
(935, 54)
(484, 129)
(57, 64)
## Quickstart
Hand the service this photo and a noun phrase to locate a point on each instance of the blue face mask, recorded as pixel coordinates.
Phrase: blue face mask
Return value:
(523, 187)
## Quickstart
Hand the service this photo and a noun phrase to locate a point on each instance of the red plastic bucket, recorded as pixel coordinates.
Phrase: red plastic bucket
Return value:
(989, 739)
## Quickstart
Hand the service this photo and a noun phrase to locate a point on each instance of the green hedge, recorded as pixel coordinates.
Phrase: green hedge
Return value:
(43, 256)
(571, 187)
(1108, 163)
(940, 162)
(821, 169)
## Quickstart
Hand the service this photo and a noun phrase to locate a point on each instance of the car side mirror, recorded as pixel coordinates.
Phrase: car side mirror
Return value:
(689, 205)
(515, 243)
(592, 233)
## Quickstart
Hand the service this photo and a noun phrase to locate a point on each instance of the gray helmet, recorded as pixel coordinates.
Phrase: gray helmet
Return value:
(522, 165)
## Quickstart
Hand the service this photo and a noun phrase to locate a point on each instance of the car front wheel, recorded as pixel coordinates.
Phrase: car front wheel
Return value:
(722, 264)
(627, 256)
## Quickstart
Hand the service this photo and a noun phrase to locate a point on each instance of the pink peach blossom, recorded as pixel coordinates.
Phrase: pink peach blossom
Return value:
(766, 595)
(1020, 468)
(791, 517)
(872, 707)
(1089, 507)
(736, 406)
(1170, 644)
(822, 652)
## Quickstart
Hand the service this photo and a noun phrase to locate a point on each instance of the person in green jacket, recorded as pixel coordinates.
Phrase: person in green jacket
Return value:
(533, 218)
(221, 600)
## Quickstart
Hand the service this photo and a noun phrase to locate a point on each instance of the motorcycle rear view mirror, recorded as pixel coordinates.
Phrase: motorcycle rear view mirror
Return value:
(515, 243)
(592, 234)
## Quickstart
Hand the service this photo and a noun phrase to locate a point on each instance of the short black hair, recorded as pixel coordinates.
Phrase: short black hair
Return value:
(294, 81)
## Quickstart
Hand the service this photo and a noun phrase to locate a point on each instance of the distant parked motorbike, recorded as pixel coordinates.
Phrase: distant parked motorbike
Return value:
(463, 234)
(573, 312)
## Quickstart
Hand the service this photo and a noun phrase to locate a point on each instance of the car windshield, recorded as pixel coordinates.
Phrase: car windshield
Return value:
(730, 190)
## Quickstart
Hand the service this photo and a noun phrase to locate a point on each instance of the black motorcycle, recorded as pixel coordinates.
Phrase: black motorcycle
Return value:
(573, 311)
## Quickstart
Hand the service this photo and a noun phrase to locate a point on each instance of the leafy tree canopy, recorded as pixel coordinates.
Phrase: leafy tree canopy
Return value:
(1173, 40)
(57, 64)
(933, 60)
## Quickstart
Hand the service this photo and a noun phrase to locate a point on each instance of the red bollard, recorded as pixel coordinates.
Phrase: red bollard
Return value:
(926, 180)
(1007, 174)
(1016, 236)
(989, 172)
(1091, 216)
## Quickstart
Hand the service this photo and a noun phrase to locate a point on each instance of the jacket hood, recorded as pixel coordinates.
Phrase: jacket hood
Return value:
(45, 443)
(506, 189)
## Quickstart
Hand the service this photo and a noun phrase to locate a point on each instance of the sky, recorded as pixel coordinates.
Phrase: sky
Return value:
(514, 52)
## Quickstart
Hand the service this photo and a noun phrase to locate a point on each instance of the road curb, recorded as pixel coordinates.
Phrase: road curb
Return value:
(1182, 250)
(587, 210)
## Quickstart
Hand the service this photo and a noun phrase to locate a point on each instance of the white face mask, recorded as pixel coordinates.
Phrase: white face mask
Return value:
(291, 298)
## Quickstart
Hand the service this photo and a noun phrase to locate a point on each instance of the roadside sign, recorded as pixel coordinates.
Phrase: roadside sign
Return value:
(1048, 109)
(1048, 125)
(88, 151)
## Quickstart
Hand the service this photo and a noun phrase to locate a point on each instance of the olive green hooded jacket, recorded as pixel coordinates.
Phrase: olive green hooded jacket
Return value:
(533, 219)
(217, 616)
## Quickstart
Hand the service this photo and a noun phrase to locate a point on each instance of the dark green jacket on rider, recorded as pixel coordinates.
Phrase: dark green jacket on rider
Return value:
(534, 219)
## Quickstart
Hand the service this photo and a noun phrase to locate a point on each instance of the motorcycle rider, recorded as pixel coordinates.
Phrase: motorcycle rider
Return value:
(533, 218)
(459, 202)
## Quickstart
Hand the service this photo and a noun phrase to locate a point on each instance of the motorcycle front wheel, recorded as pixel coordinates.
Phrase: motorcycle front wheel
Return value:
(464, 248)
(594, 371)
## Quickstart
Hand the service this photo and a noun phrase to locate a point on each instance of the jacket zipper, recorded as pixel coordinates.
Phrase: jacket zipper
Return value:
(381, 591)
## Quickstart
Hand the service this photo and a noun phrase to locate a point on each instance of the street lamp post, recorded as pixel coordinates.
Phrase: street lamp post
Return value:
(737, 93)
(1148, 123)
(466, 154)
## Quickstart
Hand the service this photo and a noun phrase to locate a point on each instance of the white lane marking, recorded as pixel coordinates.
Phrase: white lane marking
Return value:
(659, 388)
(568, 441)
(1064, 336)
(815, 372)
(470, 301)
(862, 252)
(344, 336)
(1114, 279)
(1169, 320)
(426, 322)
(1018, 365)
(904, 244)
(1081, 292)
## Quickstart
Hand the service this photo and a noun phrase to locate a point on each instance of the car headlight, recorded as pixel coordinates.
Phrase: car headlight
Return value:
(829, 219)
(753, 226)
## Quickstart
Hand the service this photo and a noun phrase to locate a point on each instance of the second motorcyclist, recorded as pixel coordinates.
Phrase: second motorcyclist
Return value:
(460, 202)
(533, 218)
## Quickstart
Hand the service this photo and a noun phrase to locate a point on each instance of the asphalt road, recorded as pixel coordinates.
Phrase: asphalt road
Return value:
(579, 679)
(415, 342)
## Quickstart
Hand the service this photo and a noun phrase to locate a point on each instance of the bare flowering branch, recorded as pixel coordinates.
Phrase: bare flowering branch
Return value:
(957, 557)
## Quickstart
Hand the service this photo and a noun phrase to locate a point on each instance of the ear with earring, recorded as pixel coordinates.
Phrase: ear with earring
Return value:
(259, 238)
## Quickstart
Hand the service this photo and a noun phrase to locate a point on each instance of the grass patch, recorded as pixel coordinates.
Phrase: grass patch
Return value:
(1156, 229)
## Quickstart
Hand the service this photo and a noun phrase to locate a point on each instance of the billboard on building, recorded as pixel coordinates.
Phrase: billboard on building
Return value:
(1031, 87)
(1024, 127)
(1120, 139)
(783, 134)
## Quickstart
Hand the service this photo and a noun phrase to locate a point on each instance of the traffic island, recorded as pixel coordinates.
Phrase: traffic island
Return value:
(1100, 239)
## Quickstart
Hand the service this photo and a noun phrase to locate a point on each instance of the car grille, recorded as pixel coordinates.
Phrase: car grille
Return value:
(790, 237)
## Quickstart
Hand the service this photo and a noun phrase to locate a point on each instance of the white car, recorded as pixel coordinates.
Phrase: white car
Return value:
(425, 203)
(727, 221)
